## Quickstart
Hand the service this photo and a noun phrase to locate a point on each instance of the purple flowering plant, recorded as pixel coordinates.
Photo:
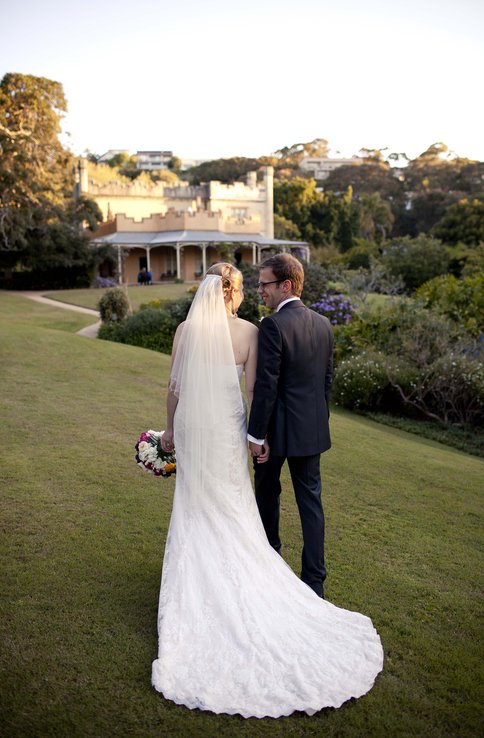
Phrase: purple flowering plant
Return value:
(105, 281)
(335, 306)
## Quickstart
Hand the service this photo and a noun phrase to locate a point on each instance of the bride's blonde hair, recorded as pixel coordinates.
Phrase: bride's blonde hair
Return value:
(231, 277)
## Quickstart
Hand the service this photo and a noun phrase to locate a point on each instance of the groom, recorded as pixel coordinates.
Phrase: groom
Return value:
(290, 409)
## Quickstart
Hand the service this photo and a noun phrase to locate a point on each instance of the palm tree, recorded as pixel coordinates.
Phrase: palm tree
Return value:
(376, 217)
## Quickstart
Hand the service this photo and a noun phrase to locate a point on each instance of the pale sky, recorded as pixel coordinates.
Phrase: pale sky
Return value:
(217, 78)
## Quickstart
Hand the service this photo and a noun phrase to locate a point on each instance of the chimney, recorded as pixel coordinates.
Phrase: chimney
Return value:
(269, 205)
(83, 181)
(252, 180)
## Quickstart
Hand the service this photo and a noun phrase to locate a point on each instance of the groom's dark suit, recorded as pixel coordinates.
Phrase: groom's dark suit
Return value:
(291, 408)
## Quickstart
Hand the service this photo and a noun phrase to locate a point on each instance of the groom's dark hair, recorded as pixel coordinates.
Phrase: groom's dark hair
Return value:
(286, 266)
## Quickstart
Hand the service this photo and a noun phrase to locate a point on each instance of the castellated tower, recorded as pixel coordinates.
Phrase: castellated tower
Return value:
(241, 203)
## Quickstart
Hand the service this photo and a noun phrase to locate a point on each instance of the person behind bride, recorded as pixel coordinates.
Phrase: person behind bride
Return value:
(238, 631)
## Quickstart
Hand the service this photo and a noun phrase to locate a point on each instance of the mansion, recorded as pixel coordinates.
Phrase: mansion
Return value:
(178, 232)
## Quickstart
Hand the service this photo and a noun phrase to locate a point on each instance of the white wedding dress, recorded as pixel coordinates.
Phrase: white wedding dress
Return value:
(239, 632)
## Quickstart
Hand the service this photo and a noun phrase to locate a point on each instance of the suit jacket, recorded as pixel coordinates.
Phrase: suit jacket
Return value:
(294, 375)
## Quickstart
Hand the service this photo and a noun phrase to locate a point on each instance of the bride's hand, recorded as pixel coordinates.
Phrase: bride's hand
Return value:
(167, 443)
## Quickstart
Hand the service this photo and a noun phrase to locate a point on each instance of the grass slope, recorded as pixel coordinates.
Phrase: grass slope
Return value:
(83, 535)
(137, 295)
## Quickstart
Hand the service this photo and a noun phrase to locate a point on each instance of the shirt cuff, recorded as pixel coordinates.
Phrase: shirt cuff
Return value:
(255, 440)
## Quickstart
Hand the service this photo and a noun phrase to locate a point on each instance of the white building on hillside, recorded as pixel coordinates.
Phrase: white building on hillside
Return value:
(320, 167)
(149, 160)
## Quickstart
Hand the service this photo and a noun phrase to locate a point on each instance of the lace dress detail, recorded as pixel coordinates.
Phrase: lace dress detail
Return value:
(238, 630)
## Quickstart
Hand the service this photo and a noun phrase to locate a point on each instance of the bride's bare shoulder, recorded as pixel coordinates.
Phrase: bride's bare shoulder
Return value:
(247, 326)
(176, 337)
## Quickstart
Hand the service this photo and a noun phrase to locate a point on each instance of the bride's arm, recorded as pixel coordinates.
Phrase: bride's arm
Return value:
(251, 366)
(171, 400)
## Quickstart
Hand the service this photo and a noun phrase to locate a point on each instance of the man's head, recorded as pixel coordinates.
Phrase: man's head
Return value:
(280, 277)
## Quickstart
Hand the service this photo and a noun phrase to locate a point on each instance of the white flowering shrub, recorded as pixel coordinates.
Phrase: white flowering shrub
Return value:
(455, 386)
(362, 382)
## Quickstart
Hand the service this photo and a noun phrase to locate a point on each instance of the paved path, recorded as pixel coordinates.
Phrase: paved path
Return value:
(90, 331)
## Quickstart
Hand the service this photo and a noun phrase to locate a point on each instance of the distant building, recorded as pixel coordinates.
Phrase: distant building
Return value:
(177, 232)
(320, 167)
(149, 160)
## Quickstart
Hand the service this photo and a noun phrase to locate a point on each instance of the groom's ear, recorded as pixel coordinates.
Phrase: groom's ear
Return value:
(287, 285)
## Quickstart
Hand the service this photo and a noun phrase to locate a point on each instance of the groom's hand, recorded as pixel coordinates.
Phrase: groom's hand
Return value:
(260, 452)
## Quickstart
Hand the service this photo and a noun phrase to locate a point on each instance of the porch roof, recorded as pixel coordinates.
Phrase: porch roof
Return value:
(170, 238)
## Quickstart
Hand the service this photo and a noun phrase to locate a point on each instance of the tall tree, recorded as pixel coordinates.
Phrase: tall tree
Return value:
(462, 222)
(371, 176)
(289, 157)
(293, 199)
(376, 218)
(37, 213)
(439, 169)
(222, 170)
(34, 168)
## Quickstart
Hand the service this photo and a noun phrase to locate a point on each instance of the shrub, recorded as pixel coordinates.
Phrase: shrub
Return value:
(151, 327)
(462, 300)
(360, 256)
(452, 391)
(111, 332)
(250, 274)
(474, 261)
(114, 305)
(415, 260)
(430, 363)
(315, 283)
(362, 383)
(148, 329)
(250, 308)
(403, 329)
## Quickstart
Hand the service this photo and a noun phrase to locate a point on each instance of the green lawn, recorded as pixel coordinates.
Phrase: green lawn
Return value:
(90, 297)
(83, 530)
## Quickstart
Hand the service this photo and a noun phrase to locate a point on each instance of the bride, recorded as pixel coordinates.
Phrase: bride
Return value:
(239, 632)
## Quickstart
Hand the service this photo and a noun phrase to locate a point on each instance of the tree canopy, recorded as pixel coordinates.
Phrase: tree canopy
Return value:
(34, 168)
(222, 170)
(462, 222)
(39, 221)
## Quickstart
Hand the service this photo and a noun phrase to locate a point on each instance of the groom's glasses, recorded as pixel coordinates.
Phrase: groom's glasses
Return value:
(264, 284)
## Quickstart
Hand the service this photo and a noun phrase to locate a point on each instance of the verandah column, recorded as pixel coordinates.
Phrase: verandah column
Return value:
(204, 258)
(178, 260)
(120, 266)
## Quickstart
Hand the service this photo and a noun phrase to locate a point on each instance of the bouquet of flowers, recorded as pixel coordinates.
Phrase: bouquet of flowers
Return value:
(150, 455)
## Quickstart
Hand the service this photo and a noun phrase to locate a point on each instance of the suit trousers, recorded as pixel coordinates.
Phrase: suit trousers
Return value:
(306, 480)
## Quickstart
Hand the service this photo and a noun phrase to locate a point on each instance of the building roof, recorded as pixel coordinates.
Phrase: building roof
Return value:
(160, 238)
